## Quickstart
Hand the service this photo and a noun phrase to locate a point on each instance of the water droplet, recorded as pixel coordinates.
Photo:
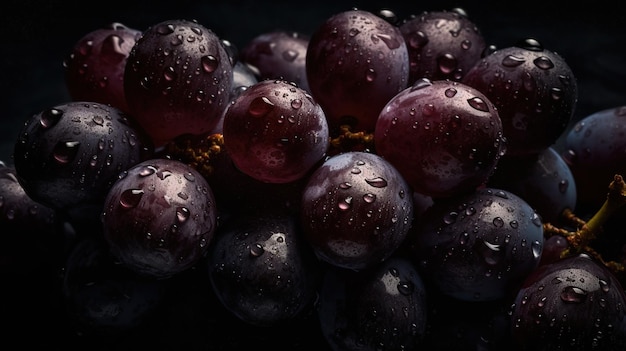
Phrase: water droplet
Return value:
(209, 63)
(182, 214)
(50, 117)
(369, 198)
(405, 287)
(498, 222)
(421, 83)
(183, 196)
(165, 29)
(490, 252)
(190, 177)
(345, 204)
(370, 75)
(376, 182)
(296, 103)
(450, 217)
(130, 198)
(290, 55)
(572, 294)
(512, 61)
(604, 285)
(536, 249)
(450, 92)
(146, 171)
(65, 151)
(478, 104)
(163, 174)
(256, 250)
(530, 44)
(446, 63)
(418, 40)
(177, 40)
(345, 185)
(260, 106)
(543, 62)
(169, 74)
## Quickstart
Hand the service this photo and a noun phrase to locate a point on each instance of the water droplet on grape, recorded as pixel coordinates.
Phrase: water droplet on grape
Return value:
(376, 182)
(260, 106)
(512, 61)
(130, 198)
(65, 151)
(446, 63)
(256, 250)
(50, 117)
(543, 62)
(209, 63)
(165, 29)
(478, 104)
(182, 214)
(147, 170)
(369, 198)
(405, 288)
(572, 294)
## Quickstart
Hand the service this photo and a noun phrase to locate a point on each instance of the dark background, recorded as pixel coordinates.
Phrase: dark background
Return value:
(37, 35)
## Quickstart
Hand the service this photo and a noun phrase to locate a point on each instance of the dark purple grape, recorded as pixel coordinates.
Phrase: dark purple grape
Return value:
(261, 269)
(534, 90)
(382, 308)
(442, 45)
(444, 137)
(594, 151)
(29, 231)
(94, 70)
(478, 246)
(543, 180)
(572, 304)
(159, 218)
(68, 156)
(356, 61)
(177, 79)
(356, 210)
(278, 54)
(275, 132)
(102, 297)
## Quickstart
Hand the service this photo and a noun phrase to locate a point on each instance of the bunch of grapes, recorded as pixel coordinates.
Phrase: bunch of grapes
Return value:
(382, 183)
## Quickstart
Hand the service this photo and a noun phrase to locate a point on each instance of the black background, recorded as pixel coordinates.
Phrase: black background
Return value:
(37, 35)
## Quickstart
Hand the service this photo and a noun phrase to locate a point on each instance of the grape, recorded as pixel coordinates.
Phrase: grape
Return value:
(444, 137)
(571, 304)
(177, 79)
(355, 62)
(383, 308)
(278, 54)
(596, 142)
(275, 132)
(159, 218)
(544, 180)
(442, 45)
(260, 268)
(103, 298)
(68, 156)
(534, 90)
(356, 210)
(478, 246)
(94, 70)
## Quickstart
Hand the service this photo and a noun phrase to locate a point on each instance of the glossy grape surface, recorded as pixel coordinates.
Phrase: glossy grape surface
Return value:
(356, 210)
(177, 79)
(478, 246)
(444, 137)
(159, 218)
(356, 61)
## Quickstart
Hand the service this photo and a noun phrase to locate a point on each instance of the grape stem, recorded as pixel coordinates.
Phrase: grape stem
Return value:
(580, 239)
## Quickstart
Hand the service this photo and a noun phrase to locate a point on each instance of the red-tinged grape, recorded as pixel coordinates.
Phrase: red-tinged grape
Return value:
(159, 218)
(594, 150)
(444, 137)
(275, 132)
(478, 246)
(534, 90)
(261, 269)
(356, 61)
(278, 55)
(573, 304)
(553, 248)
(382, 308)
(68, 156)
(94, 70)
(177, 79)
(103, 298)
(356, 210)
(442, 45)
(543, 180)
